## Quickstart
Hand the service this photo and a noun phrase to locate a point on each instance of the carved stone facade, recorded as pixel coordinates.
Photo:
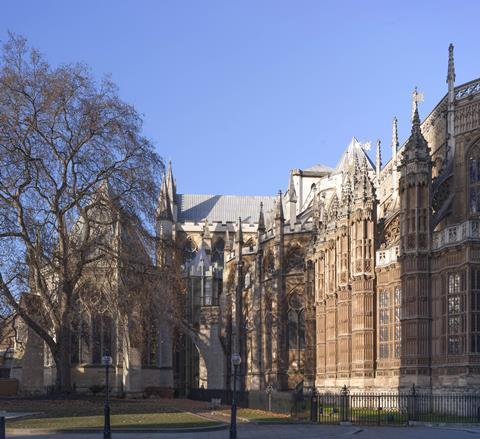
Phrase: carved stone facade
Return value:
(361, 275)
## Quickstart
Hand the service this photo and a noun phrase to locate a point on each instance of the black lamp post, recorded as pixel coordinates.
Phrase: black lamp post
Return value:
(236, 361)
(107, 434)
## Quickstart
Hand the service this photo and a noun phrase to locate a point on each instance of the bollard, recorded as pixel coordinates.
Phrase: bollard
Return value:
(2, 425)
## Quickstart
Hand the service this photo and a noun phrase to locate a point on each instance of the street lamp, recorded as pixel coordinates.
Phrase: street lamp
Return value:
(107, 434)
(236, 361)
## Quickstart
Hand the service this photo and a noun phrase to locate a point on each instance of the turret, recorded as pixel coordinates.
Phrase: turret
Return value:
(415, 230)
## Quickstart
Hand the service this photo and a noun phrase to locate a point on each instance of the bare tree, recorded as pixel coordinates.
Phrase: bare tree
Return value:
(73, 163)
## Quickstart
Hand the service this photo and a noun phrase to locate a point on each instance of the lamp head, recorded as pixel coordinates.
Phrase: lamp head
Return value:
(236, 360)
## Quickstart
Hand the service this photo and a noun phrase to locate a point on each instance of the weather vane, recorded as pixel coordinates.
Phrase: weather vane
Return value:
(416, 98)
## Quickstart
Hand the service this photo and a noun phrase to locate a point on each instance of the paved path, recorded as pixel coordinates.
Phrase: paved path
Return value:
(249, 431)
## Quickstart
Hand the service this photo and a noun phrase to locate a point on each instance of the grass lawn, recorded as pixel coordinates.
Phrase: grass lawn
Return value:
(138, 420)
(258, 415)
(88, 413)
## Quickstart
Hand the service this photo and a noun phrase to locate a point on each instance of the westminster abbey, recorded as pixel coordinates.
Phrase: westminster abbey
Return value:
(366, 274)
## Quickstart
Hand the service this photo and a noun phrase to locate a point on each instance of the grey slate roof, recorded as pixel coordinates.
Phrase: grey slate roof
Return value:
(324, 169)
(221, 208)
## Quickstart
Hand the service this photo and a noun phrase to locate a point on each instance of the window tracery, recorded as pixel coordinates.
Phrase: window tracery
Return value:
(455, 319)
(218, 251)
(102, 337)
(296, 325)
(189, 251)
(294, 258)
(474, 179)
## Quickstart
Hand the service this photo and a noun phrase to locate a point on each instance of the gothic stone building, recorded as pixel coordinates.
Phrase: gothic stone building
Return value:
(365, 275)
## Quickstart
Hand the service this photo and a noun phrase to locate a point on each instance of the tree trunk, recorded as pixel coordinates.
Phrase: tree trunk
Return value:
(63, 381)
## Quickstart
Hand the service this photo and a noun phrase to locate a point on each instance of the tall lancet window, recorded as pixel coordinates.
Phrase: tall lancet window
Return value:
(296, 328)
(474, 179)
(217, 251)
(189, 251)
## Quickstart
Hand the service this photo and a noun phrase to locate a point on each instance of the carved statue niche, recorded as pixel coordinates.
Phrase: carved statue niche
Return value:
(392, 232)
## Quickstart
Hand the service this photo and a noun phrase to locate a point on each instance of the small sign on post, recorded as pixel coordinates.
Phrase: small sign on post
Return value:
(107, 360)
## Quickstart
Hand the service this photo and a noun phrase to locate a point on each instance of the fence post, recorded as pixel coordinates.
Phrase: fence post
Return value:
(344, 406)
(314, 406)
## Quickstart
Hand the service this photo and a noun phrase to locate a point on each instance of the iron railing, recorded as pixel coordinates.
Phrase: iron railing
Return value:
(394, 408)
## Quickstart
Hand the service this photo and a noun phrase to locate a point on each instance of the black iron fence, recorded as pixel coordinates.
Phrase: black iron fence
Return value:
(394, 408)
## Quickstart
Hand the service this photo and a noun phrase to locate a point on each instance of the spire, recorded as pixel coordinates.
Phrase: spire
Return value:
(206, 230)
(451, 66)
(450, 148)
(228, 245)
(164, 211)
(279, 208)
(239, 233)
(292, 196)
(394, 139)
(416, 147)
(416, 98)
(261, 219)
(172, 190)
(378, 162)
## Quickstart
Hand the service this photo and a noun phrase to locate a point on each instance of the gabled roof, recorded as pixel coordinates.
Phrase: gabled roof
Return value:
(354, 150)
(222, 208)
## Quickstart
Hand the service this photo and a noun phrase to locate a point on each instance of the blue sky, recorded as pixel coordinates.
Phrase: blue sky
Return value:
(237, 93)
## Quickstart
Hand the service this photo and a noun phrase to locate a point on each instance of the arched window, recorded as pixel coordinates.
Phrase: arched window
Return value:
(455, 320)
(296, 323)
(79, 338)
(189, 251)
(474, 179)
(217, 251)
(102, 337)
